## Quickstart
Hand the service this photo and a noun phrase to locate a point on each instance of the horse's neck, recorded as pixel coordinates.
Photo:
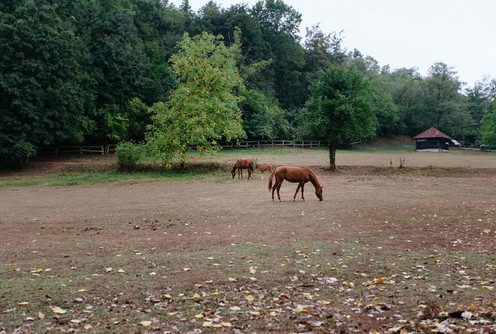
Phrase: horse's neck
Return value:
(314, 180)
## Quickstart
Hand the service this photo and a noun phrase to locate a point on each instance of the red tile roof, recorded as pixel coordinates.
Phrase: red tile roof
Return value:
(432, 133)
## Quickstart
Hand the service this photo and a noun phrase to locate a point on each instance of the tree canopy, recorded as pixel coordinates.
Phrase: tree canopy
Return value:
(339, 109)
(204, 107)
(78, 71)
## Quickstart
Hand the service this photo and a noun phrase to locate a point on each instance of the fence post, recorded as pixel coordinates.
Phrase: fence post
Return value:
(81, 150)
(102, 149)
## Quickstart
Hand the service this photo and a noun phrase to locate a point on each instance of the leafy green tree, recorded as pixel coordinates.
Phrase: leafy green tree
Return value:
(488, 127)
(44, 88)
(204, 107)
(263, 118)
(408, 91)
(480, 97)
(387, 112)
(443, 86)
(339, 109)
(279, 24)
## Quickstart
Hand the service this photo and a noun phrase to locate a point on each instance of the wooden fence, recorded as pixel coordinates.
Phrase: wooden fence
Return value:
(108, 149)
(274, 143)
(91, 149)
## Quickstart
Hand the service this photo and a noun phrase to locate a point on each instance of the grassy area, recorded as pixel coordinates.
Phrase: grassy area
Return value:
(71, 179)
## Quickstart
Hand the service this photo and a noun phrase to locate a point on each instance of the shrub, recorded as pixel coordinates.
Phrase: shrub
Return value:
(128, 155)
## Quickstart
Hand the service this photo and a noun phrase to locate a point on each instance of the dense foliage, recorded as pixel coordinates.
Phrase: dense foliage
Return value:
(340, 109)
(203, 108)
(79, 71)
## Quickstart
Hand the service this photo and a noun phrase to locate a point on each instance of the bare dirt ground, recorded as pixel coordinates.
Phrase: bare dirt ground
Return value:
(392, 250)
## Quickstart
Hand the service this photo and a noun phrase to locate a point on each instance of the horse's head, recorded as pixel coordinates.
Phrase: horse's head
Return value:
(318, 192)
(233, 172)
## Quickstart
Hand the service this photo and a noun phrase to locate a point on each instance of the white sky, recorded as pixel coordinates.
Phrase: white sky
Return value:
(406, 33)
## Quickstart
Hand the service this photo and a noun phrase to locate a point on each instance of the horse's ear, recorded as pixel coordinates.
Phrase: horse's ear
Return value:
(321, 187)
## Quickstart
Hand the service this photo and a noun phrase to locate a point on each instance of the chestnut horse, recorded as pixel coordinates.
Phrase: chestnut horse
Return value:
(300, 175)
(264, 168)
(240, 165)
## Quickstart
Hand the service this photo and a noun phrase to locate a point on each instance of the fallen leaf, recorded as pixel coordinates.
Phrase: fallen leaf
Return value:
(145, 323)
(378, 280)
(58, 310)
(315, 323)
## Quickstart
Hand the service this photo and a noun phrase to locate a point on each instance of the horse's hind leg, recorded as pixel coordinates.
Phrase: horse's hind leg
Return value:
(302, 189)
(279, 184)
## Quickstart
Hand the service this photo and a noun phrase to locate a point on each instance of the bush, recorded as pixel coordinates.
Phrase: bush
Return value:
(23, 151)
(128, 155)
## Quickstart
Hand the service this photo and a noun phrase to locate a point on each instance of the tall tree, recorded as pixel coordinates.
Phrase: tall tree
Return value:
(263, 118)
(204, 107)
(279, 24)
(44, 89)
(387, 112)
(488, 127)
(443, 86)
(339, 109)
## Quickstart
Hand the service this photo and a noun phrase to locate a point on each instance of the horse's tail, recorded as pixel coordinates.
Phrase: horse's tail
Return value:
(270, 178)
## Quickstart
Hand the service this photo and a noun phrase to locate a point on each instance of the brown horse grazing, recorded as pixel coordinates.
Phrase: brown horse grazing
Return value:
(264, 168)
(300, 175)
(240, 165)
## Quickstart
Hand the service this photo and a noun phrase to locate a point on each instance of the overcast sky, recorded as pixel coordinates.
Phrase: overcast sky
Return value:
(406, 33)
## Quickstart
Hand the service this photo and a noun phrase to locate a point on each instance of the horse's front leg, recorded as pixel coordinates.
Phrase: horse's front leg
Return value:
(302, 189)
(297, 188)
(240, 173)
(262, 176)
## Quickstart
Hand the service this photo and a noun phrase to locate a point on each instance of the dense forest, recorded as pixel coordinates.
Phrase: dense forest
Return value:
(101, 71)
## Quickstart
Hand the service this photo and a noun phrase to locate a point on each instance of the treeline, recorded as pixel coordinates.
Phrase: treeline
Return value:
(87, 71)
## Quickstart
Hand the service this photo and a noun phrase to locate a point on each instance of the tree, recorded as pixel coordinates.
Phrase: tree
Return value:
(44, 88)
(263, 118)
(387, 112)
(279, 24)
(339, 109)
(408, 92)
(488, 127)
(204, 107)
(443, 86)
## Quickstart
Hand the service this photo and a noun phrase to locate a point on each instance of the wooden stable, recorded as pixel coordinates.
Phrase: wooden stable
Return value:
(432, 140)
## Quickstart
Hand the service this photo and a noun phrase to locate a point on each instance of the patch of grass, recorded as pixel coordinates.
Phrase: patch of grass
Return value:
(71, 179)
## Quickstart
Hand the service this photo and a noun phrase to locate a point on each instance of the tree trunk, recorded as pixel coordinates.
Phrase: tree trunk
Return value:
(332, 156)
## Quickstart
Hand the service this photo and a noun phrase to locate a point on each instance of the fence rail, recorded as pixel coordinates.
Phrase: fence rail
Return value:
(92, 149)
(273, 143)
(108, 149)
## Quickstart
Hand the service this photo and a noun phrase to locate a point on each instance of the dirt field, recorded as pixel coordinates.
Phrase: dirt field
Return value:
(393, 250)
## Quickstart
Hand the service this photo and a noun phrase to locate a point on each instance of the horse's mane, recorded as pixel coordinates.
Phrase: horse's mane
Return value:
(314, 179)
